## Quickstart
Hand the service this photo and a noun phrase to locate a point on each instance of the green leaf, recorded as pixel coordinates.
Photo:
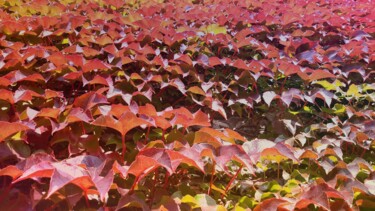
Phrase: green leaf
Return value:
(339, 108)
(275, 187)
(307, 109)
(246, 202)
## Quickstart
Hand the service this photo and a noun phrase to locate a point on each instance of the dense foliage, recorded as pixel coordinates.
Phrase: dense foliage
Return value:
(181, 105)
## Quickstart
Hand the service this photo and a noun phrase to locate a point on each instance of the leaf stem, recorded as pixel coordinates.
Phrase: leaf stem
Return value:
(232, 180)
(212, 177)
(147, 133)
(363, 152)
(87, 200)
(166, 180)
(134, 184)
(152, 193)
(163, 136)
(5, 193)
(83, 128)
(123, 147)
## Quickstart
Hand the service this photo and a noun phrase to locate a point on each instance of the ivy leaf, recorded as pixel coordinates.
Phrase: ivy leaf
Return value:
(10, 128)
(89, 100)
(255, 147)
(64, 174)
(269, 96)
(271, 204)
(214, 29)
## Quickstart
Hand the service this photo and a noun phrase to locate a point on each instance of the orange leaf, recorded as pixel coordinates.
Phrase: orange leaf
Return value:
(11, 171)
(10, 128)
(142, 165)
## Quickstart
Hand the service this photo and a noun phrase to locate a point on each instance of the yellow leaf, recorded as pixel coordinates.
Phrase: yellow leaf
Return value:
(215, 188)
(17, 136)
(214, 29)
(330, 86)
(220, 208)
(353, 91)
(65, 41)
(339, 108)
(188, 199)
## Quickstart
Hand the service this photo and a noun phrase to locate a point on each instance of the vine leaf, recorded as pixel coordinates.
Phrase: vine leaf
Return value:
(10, 128)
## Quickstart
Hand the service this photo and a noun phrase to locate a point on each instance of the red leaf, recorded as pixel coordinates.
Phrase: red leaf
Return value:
(255, 147)
(170, 159)
(7, 96)
(318, 194)
(271, 205)
(126, 122)
(64, 174)
(41, 169)
(234, 152)
(11, 171)
(142, 166)
(94, 64)
(89, 100)
(78, 115)
(10, 128)
(203, 137)
(320, 74)
(102, 182)
(57, 58)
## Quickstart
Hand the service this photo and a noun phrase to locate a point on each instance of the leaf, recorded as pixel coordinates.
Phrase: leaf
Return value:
(64, 174)
(214, 29)
(318, 194)
(255, 147)
(126, 122)
(271, 204)
(203, 137)
(102, 181)
(370, 184)
(187, 119)
(291, 125)
(196, 90)
(353, 91)
(89, 100)
(273, 154)
(233, 134)
(288, 96)
(41, 169)
(218, 106)
(142, 166)
(322, 94)
(10, 128)
(11, 171)
(320, 74)
(330, 86)
(236, 153)
(203, 201)
(94, 64)
(269, 96)
(132, 201)
(57, 59)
